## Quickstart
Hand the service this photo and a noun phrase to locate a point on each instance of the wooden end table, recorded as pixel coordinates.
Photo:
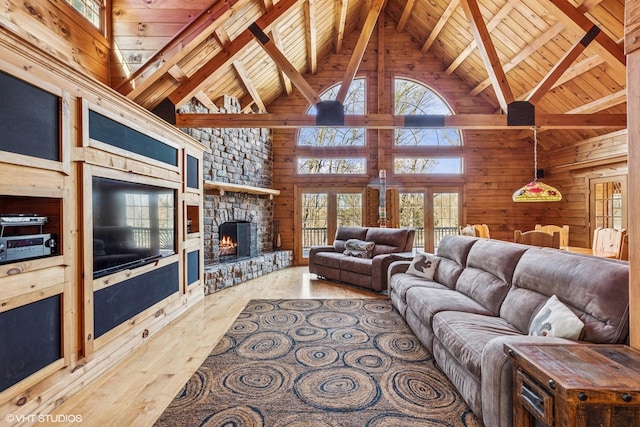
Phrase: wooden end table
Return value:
(575, 385)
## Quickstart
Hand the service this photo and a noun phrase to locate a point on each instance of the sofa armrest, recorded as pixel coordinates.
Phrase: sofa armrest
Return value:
(497, 377)
(380, 267)
(312, 253)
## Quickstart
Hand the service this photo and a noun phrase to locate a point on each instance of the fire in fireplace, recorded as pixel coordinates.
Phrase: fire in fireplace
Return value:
(235, 239)
(227, 246)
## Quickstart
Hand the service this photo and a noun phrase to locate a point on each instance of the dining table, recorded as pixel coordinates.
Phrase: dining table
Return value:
(588, 251)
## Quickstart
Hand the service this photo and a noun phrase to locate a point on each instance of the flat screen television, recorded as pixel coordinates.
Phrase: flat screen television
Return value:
(133, 224)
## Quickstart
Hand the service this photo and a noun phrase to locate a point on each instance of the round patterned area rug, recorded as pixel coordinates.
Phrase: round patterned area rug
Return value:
(324, 363)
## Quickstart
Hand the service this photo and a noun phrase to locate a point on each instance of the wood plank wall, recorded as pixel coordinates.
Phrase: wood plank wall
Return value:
(496, 162)
(61, 31)
(570, 169)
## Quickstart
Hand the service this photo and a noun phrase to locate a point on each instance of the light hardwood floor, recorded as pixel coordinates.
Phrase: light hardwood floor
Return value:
(136, 391)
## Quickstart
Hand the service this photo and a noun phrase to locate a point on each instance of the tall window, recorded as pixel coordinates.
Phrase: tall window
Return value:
(412, 98)
(354, 103)
(90, 9)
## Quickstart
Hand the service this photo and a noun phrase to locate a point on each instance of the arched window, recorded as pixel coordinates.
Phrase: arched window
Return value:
(354, 103)
(413, 98)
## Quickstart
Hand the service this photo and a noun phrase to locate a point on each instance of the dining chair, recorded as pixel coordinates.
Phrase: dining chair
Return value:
(563, 230)
(537, 238)
(482, 230)
(468, 231)
(608, 239)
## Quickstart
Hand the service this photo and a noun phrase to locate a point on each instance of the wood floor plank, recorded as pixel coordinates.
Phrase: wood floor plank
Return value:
(136, 391)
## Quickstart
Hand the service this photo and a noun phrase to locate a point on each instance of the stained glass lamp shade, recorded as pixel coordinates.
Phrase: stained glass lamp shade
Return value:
(536, 191)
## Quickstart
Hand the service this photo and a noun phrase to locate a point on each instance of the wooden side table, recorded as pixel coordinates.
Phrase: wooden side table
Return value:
(575, 385)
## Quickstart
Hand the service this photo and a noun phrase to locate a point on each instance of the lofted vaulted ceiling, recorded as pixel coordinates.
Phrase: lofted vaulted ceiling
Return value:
(564, 57)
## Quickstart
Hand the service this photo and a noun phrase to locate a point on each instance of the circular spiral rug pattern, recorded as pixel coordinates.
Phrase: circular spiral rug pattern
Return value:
(339, 389)
(318, 363)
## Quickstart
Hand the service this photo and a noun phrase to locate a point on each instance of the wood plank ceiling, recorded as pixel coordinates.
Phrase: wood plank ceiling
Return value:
(562, 56)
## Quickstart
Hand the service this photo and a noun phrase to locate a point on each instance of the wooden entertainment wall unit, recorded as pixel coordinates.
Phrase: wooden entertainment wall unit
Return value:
(67, 140)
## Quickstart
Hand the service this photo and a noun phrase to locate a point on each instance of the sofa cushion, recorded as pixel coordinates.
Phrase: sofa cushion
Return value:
(465, 336)
(595, 289)
(344, 233)
(424, 265)
(387, 240)
(456, 248)
(401, 282)
(328, 259)
(355, 264)
(427, 302)
(358, 248)
(489, 272)
(556, 320)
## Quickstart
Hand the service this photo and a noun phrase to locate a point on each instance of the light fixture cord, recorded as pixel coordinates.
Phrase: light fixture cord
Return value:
(535, 154)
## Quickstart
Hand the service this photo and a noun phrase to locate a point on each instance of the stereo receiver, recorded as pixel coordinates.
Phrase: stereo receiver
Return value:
(17, 247)
(14, 248)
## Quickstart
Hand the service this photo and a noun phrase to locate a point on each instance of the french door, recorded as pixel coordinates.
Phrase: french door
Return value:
(608, 202)
(322, 211)
(433, 212)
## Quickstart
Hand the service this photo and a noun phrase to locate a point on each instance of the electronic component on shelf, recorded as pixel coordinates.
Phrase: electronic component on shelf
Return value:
(13, 248)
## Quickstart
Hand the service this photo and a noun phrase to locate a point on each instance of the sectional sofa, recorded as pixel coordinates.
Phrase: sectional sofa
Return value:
(360, 255)
(484, 293)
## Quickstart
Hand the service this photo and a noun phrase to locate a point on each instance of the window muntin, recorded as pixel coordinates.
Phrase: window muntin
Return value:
(427, 165)
(354, 103)
(346, 165)
(90, 9)
(413, 98)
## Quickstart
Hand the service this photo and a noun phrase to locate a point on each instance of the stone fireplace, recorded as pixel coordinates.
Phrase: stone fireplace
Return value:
(241, 157)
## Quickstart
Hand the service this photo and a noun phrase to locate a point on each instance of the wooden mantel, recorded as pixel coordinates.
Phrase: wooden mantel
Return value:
(225, 186)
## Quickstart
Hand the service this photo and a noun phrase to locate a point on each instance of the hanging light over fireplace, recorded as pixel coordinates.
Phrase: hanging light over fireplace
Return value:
(536, 191)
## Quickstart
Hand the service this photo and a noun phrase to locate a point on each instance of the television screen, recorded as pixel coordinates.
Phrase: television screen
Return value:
(133, 224)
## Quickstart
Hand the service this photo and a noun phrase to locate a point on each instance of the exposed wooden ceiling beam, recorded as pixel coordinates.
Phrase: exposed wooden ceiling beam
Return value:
(360, 48)
(341, 21)
(572, 72)
(572, 16)
(550, 33)
(179, 46)
(491, 25)
(406, 13)
(556, 72)
(287, 67)
(186, 90)
(222, 36)
(284, 79)
(206, 101)
(603, 103)
(388, 121)
(439, 25)
(248, 84)
(488, 52)
(311, 31)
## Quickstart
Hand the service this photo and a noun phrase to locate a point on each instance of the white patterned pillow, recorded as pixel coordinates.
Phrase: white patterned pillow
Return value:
(424, 265)
(358, 248)
(556, 320)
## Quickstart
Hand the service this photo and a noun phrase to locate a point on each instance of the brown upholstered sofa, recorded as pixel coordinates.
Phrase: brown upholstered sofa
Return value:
(485, 293)
(331, 262)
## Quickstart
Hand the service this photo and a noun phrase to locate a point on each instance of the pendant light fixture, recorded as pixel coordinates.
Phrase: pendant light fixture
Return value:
(536, 191)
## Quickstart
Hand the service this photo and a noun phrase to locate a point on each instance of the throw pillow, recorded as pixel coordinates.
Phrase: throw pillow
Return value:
(424, 265)
(359, 248)
(556, 320)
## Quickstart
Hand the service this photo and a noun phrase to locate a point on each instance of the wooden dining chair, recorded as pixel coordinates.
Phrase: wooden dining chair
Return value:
(482, 230)
(608, 239)
(563, 230)
(468, 231)
(537, 238)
